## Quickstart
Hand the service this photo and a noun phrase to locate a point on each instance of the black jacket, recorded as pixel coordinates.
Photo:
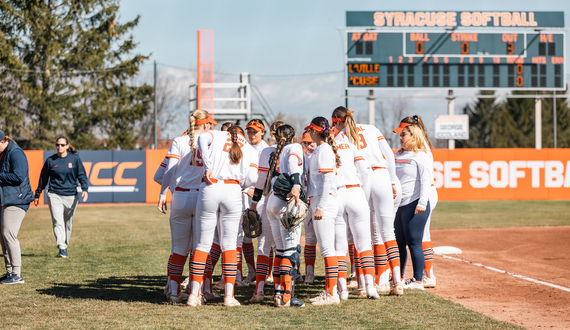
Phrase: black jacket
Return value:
(15, 188)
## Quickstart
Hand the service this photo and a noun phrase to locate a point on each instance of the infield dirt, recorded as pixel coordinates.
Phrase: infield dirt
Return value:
(540, 253)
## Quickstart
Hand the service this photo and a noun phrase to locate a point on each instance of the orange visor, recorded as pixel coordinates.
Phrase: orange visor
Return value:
(255, 125)
(316, 128)
(307, 137)
(336, 120)
(401, 127)
(204, 121)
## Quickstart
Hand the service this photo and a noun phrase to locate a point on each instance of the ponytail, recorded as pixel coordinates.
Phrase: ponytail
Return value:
(285, 133)
(343, 114)
(235, 151)
(190, 132)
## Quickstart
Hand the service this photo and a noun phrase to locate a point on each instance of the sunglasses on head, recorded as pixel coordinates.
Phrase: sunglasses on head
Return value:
(60, 145)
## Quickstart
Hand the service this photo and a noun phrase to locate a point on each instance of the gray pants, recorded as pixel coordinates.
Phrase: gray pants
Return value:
(62, 209)
(11, 218)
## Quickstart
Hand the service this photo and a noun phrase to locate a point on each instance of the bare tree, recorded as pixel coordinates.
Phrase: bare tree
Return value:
(171, 100)
(388, 115)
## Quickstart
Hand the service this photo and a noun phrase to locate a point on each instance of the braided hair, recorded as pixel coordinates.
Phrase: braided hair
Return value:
(198, 114)
(284, 135)
(327, 134)
(349, 124)
(235, 151)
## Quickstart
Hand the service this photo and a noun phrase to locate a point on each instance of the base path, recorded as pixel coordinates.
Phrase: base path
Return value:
(539, 253)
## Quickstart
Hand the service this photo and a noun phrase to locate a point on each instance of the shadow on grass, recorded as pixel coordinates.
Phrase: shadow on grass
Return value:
(120, 288)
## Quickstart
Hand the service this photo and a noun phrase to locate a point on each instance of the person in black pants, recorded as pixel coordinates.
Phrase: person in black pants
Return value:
(62, 171)
(15, 198)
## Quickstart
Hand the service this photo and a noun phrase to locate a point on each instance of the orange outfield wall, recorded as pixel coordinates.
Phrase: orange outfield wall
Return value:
(502, 174)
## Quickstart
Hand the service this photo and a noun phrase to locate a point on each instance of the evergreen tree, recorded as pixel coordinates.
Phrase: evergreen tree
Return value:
(72, 64)
(482, 118)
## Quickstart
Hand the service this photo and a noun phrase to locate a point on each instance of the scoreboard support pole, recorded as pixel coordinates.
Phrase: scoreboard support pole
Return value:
(554, 116)
(371, 110)
(538, 123)
(450, 111)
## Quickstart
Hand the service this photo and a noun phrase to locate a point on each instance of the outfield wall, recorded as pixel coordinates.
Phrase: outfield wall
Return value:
(461, 174)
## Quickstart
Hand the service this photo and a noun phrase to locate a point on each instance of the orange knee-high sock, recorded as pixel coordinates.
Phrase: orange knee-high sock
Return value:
(357, 263)
(176, 266)
(367, 262)
(215, 253)
(331, 271)
(310, 253)
(208, 276)
(197, 267)
(261, 273)
(380, 261)
(249, 256)
(271, 263)
(428, 257)
(277, 274)
(342, 273)
(394, 260)
(286, 278)
(352, 255)
(168, 274)
(239, 254)
(229, 270)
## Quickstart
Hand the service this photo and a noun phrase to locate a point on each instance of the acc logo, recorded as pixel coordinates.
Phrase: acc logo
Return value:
(94, 170)
(70, 165)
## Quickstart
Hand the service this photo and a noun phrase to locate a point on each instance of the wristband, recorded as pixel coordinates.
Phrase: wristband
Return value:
(257, 193)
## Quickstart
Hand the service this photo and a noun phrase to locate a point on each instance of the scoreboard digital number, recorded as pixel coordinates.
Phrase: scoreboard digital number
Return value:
(490, 60)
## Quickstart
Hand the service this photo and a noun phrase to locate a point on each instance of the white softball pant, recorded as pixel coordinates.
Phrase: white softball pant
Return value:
(246, 202)
(354, 212)
(182, 214)
(433, 198)
(226, 197)
(285, 240)
(265, 240)
(382, 205)
(325, 228)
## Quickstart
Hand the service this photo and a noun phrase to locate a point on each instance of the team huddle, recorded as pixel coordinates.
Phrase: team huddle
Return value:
(342, 183)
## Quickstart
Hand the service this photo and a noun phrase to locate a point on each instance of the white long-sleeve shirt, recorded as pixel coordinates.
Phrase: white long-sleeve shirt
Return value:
(179, 172)
(415, 176)
(322, 171)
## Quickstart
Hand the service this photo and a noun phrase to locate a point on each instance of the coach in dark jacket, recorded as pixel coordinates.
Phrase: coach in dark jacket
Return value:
(62, 171)
(15, 198)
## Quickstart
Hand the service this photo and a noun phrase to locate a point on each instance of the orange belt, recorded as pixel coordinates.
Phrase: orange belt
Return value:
(184, 189)
(225, 181)
(378, 168)
(349, 186)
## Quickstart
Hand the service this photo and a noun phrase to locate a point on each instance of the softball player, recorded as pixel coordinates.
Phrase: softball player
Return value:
(184, 172)
(412, 168)
(227, 168)
(322, 193)
(427, 246)
(255, 131)
(310, 250)
(382, 192)
(353, 209)
(285, 159)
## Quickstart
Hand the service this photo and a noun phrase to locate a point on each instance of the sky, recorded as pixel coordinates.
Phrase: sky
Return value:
(292, 49)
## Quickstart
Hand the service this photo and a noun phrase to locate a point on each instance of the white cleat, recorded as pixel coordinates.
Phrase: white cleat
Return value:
(343, 295)
(309, 278)
(397, 290)
(231, 302)
(240, 284)
(184, 284)
(250, 278)
(383, 289)
(299, 278)
(352, 284)
(322, 294)
(327, 299)
(256, 299)
(220, 285)
(194, 301)
(412, 284)
(429, 282)
(371, 293)
(269, 279)
(181, 298)
(359, 292)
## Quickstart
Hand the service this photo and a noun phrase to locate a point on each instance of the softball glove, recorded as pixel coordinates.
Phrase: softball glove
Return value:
(251, 223)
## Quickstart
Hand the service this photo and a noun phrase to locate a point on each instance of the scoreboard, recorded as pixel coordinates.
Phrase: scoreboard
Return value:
(491, 58)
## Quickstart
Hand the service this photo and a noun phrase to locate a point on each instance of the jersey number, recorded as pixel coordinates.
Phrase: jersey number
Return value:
(228, 146)
(362, 141)
(198, 158)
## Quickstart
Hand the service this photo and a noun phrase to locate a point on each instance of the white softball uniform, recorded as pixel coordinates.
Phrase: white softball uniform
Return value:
(290, 161)
(433, 197)
(322, 191)
(225, 192)
(353, 209)
(310, 237)
(186, 180)
(379, 155)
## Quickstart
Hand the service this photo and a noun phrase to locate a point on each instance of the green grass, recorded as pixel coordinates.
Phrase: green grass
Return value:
(115, 274)
(500, 214)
